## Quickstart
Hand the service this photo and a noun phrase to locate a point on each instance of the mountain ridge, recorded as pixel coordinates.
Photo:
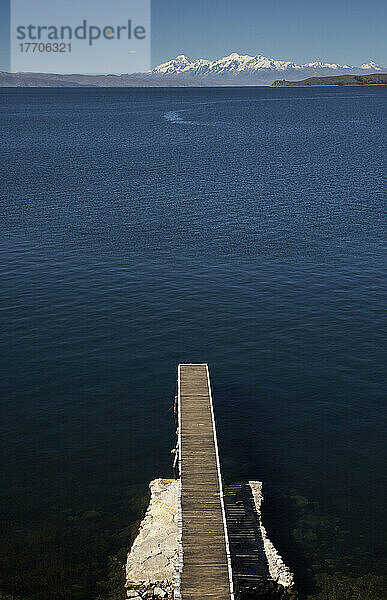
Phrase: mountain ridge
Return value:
(231, 70)
(243, 68)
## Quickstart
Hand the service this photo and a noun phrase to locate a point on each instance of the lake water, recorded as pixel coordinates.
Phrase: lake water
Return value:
(143, 228)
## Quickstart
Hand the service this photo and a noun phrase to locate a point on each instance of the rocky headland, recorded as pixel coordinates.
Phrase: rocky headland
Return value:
(371, 79)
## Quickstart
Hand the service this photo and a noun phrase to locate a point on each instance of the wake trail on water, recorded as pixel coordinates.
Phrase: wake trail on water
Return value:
(174, 116)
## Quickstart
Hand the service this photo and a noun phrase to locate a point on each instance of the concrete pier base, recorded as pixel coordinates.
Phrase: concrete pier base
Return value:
(152, 558)
(259, 571)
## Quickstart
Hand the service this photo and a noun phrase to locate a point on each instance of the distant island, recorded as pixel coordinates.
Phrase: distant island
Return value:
(373, 78)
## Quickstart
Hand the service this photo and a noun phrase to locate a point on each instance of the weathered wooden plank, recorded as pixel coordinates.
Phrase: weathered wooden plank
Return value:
(206, 571)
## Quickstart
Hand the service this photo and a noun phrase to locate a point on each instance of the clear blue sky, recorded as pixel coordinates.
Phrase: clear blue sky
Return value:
(344, 31)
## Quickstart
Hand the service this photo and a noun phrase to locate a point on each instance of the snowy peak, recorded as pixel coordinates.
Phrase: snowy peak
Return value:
(321, 65)
(176, 65)
(182, 60)
(371, 65)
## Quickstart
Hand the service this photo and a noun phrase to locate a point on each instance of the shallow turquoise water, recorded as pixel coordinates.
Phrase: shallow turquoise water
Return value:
(142, 228)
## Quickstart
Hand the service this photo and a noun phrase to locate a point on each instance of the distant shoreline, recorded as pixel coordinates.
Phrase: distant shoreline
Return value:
(177, 87)
(140, 80)
(335, 80)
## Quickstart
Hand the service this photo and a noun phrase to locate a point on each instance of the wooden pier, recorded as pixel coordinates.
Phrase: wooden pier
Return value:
(205, 564)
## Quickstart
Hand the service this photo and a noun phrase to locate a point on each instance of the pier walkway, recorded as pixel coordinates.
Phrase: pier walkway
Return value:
(205, 563)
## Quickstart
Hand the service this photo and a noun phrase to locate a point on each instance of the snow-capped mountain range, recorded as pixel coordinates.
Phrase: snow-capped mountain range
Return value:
(240, 69)
(234, 69)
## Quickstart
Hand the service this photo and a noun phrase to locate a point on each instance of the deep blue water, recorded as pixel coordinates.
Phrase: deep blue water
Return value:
(141, 228)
